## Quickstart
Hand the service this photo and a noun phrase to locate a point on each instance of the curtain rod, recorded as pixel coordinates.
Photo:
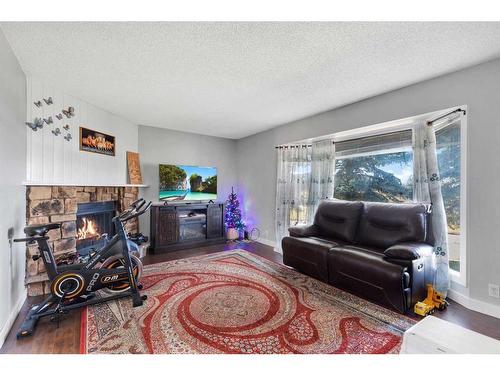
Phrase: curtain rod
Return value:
(446, 115)
(430, 122)
(373, 136)
(295, 146)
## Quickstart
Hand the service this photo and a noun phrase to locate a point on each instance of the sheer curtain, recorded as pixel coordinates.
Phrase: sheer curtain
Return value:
(304, 176)
(322, 173)
(292, 189)
(427, 189)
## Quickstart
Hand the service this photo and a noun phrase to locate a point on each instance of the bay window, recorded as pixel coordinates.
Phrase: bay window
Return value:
(379, 167)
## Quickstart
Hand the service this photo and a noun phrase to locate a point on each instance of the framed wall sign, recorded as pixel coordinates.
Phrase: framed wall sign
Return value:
(134, 168)
(94, 141)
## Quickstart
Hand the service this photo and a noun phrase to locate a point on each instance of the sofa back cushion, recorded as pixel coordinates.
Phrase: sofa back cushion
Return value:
(385, 224)
(338, 219)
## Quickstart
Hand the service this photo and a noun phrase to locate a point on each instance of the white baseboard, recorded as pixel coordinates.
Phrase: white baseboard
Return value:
(474, 304)
(268, 243)
(12, 317)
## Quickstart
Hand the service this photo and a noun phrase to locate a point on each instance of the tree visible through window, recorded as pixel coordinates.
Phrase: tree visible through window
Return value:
(375, 178)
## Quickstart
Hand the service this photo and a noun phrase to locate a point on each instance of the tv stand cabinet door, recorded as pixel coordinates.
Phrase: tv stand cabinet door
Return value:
(167, 230)
(214, 221)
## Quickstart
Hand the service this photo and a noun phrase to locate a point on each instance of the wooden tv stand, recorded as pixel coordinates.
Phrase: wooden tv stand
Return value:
(176, 226)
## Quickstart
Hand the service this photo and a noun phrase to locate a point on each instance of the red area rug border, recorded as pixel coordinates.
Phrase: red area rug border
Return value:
(83, 331)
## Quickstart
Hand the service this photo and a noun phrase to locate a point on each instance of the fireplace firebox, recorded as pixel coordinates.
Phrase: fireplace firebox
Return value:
(93, 222)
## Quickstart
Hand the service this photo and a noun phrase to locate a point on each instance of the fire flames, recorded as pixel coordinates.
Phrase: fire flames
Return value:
(88, 230)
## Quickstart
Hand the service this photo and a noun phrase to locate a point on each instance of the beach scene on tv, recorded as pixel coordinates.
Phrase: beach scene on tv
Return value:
(188, 183)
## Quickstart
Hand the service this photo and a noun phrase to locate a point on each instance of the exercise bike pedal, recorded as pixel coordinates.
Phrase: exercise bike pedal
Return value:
(144, 297)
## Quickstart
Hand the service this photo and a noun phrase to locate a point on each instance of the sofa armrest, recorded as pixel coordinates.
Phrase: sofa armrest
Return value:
(408, 251)
(303, 231)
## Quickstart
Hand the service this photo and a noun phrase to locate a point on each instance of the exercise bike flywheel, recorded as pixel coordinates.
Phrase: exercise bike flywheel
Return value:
(68, 285)
(118, 262)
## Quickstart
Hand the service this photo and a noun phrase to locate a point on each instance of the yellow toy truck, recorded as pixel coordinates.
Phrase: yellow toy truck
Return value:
(434, 300)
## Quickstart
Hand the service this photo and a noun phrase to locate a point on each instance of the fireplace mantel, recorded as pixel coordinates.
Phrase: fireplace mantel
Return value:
(27, 183)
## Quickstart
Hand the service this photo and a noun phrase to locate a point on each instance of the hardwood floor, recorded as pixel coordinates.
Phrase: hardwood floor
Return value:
(50, 339)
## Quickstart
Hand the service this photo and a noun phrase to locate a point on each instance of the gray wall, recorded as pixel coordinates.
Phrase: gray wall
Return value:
(12, 193)
(478, 87)
(158, 146)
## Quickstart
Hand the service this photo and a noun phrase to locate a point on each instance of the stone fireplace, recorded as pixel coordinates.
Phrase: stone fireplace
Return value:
(70, 205)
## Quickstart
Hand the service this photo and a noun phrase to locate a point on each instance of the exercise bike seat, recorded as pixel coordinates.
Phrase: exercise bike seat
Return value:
(40, 230)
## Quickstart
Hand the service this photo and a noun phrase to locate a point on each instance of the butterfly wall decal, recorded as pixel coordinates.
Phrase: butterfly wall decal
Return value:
(56, 131)
(36, 124)
(48, 101)
(68, 137)
(70, 112)
(66, 127)
(48, 121)
(38, 103)
(59, 116)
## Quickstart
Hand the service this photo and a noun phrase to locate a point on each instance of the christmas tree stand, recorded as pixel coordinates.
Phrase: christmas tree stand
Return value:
(232, 234)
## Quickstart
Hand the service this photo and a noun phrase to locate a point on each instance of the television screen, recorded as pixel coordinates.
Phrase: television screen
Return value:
(187, 183)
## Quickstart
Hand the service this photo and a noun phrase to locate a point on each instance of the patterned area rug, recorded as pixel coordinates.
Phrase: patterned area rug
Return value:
(237, 302)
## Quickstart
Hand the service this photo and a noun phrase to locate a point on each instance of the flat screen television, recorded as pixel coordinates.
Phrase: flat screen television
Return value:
(187, 183)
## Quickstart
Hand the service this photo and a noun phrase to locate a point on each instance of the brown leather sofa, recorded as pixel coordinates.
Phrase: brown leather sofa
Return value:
(379, 251)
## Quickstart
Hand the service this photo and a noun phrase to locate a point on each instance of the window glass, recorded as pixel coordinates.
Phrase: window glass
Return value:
(301, 209)
(382, 177)
(448, 152)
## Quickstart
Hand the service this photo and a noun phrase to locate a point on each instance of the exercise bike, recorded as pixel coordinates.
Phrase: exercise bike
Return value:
(112, 270)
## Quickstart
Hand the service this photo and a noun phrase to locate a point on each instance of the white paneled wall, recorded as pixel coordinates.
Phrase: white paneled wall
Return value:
(53, 160)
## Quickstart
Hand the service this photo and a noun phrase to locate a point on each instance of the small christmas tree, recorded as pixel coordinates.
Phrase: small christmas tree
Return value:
(232, 217)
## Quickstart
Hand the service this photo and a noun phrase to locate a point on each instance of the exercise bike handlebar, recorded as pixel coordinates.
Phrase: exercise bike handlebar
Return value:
(135, 203)
(133, 206)
(31, 239)
(138, 211)
(135, 210)
(139, 206)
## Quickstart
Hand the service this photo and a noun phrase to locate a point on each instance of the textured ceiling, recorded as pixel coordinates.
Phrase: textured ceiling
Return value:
(236, 79)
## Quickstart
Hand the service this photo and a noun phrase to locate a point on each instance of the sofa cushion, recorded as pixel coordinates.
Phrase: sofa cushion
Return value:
(383, 225)
(365, 273)
(338, 219)
(308, 255)
(362, 263)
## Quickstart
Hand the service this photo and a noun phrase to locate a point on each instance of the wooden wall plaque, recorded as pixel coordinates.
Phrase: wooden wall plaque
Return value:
(134, 168)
